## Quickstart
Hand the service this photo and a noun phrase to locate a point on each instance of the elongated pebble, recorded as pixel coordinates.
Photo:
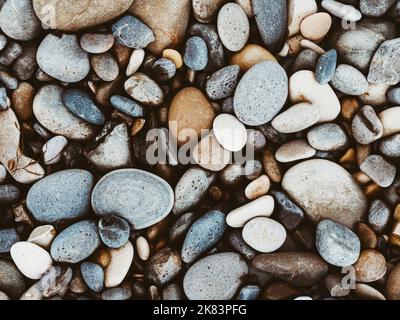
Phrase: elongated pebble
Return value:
(294, 150)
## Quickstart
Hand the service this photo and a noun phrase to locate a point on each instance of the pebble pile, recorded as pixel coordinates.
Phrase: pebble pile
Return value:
(312, 88)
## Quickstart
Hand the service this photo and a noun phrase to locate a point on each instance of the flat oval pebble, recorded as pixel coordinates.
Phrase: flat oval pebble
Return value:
(230, 132)
(116, 294)
(82, 105)
(297, 11)
(105, 66)
(130, 32)
(261, 207)
(294, 150)
(144, 89)
(349, 80)
(316, 26)
(64, 195)
(390, 119)
(250, 55)
(337, 196)
(370, 266)
(143, 248)
(63, 58)
(326, 67)
(93, 275)
(32, 260)
(97, 42)
(127, 106)
(203, 235)
(233, 26)
(264, 234)
(117, 190)
(258, 187)
(51, 112)
(119, 265)
(336, 244)
(390, 147)
(297, 118)
(114, 231)
(196, 54)
(258, 98)
(222, 83)
(327, 137)
(216, 277)
(135, 61)
(53, 148)
(379, 170)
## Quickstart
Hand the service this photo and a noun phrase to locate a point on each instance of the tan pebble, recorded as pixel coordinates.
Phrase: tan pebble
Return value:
(247, 7)
(280, 291)
(316, 26)
(271, 166)
(22, 101)
(77, 285)
(42, 236)
(334, 284)
(137, 126)
(143, 248)
(349, 107)
(366, 235)
(257, 188)
(371, 189)
(294, 150)
(361, 177)
(397, 212)
(307, 44)
(393, 284)
(294, 44)
(366, 292)
(120, 262)
(135, 62)
(349, 156)
(122, 54)
(102, 257)
(285, 51)
(395, 235)
(156, 230)
(370, 266)
(250, 55)
(106, 90)
(362, 152)
(174, 56)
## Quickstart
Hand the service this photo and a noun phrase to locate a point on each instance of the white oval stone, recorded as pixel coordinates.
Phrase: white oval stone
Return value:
(32, 260)
(258, 187)
(342, 11)
(316, 26)
(390, 119)
(135, 62)
(143, 248)
(297, 118)
(120, 262)
(294, 150)
(53, 148)
(304, 87)
(230, 132)
(297, 11)
(264, 234)
(43, 236)
(261, 207)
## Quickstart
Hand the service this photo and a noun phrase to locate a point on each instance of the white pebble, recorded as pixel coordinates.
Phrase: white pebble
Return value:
(135, 62)
(143, 248)
(42, 236)
(342, 11)
(390, 119)
(53, 148)
(294, 150)
(230, 132)
(120, 262)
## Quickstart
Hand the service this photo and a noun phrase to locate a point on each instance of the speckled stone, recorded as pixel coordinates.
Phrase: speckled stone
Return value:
(127, 106)
(326, 67)
(222, 83)
(8, 237)
(105, 66)
(9, 194)
(97, 42)
(93, 275)
(114, 231)
(163, 266)
(12, 282)
(129, 31)
(349, 80)
(144, 89)
(379, 170)
(196, 54)
(390, 147)
(327, 137)
(375, 8)
(307, 59)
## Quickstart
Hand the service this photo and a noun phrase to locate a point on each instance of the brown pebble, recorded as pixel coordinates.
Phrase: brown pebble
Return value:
(363, 152)
(122, 54)
(102, 257)
(393, 284)
(348, 157)
(163, 266)
(349, 107)
(371, 189)
(22, 101)
(137, 126)
(280, 291)
(155, 231)
(395, 236)
(333, 283)
(250, 55)
(397, 212)
(271, 166)
(366, 235)
(365, 292)
(370, 266)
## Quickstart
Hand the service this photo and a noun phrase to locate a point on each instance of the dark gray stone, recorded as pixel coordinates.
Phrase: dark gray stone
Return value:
(287, 212)
(127, 106)
(196, 54)
(163, 266)
(163, 69)
(114, 231)
(236, 241)
(9, 194)
(116, 294)
(12, 281)
(326, 67)
(306, 60)
(132, 33)
(93, 275)
(181, 226)
(7, 238)
(222, 83)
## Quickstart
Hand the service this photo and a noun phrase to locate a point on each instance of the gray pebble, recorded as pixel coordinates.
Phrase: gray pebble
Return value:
(379, 215)
(9, 81)
(287, 212)
(181, 226)
(127, 106)
(12, 281)
(97, 42)
(215, 277)
(173, 291)
(64, 195)
(305, 60)
(9, 194)
(163, 266)
(337, 244)
(327, 137)
(116, 191)
(3, 42)
(366, 126)
(25, 65)
(163, 69)
(393, 95)
(249, 292)
(259, 98)
(132, 33)
(82, 105)
(326, 67)
(10, 54)
(349, 80)
(7, 238)
(144, 89)
(114, 231)
(196, 54)
(76, 243)
(390, 147)
(116, 294)
(203, 235)
(374, 8)
(222, 83)
(379, 170)
(105, 66)
(93, 275)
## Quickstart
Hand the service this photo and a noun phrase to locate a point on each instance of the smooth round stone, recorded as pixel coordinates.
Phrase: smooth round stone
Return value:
(18, 20)
(366, 126)
(370, 266)
(337, 245)
(327, 137)
(304, 87)
(189, 111)
(250, 55)
(143, 248)
(233, 26)
(294, 150)
(349, 80)
(32, 260)
(51, 112)
(12, 281)
(393, 96)
(130, 32)
(272, 21)
(9, 194)
(288, 213)
(316, 26)
(258, 187)
(203, 235)
(326, 67)
(163, 266)
(135, 61)
(215, 277)
(297, 118)
(97, 42)
(64, 195)
(341, 10)
(63, 58)
(206, 10)
(297, 11)
(390, 147)
(222, 83)
(261, 207)
(114, 231)
(53, 148)
(230, 132)
(119, 265)
(306, 60)
(163, 69)
(336, 196)
(42, 236)
(191, 188)
(76, 243)
(379, 170)
(196, 54)
(93, 275)
(82, 105)
(258, 97)
(366, 292)
(144, 89)
(116, 191)
(264, 234)
(8, 237)
(105, 66)
(210, 155)
(127, 106)
(390, 119)
(373, 8)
